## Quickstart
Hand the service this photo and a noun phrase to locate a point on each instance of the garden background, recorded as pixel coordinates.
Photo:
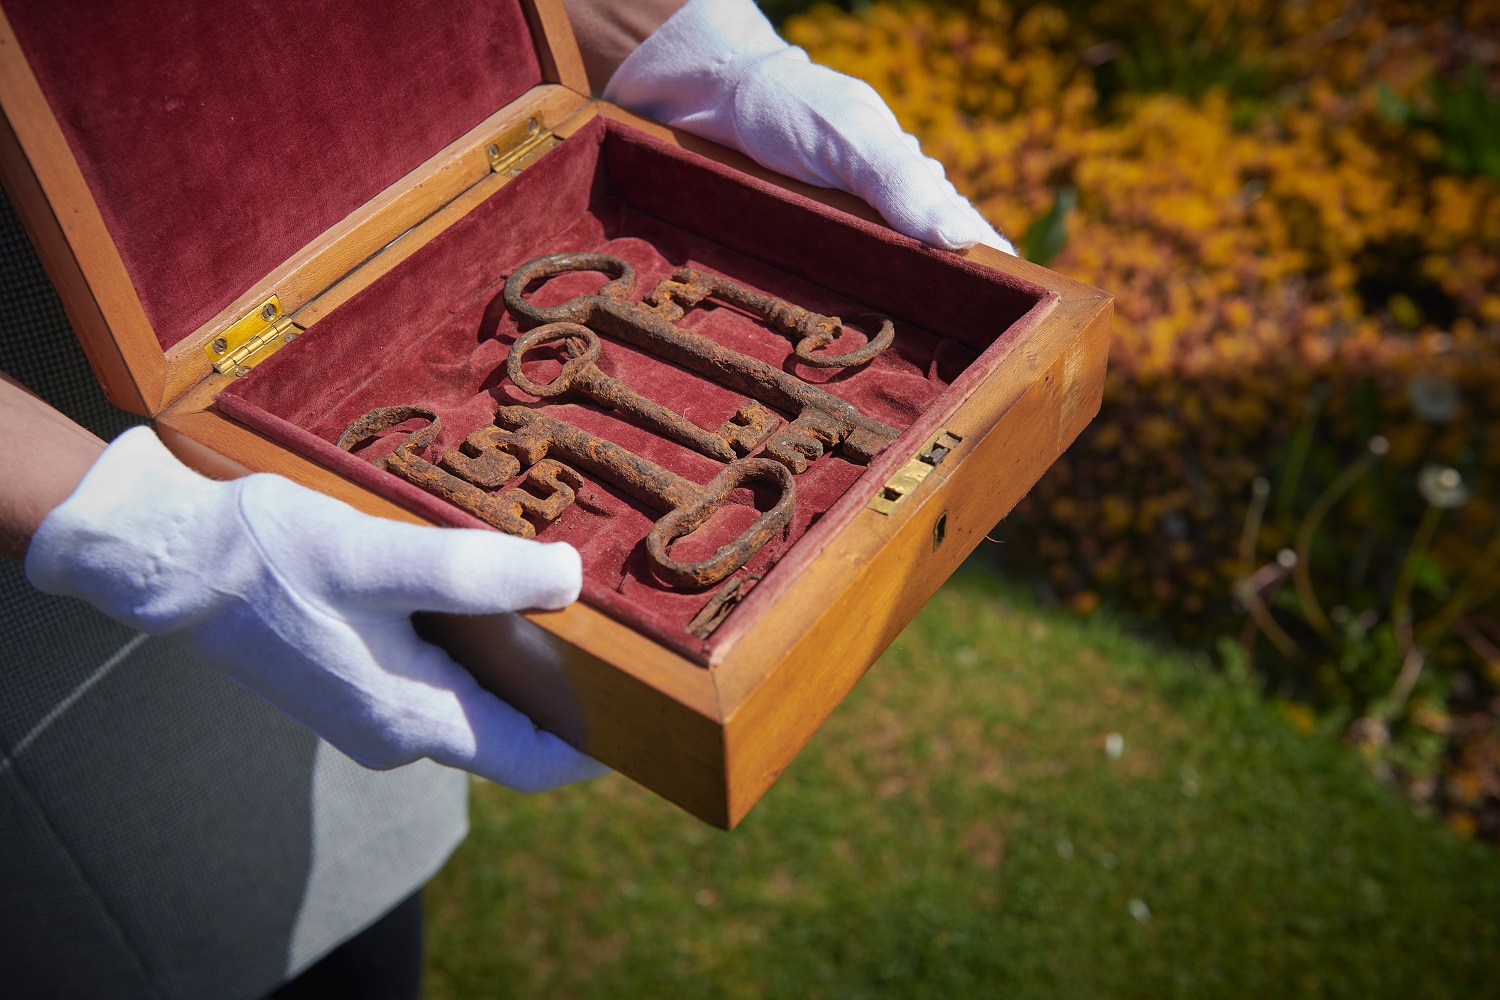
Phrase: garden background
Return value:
(1232, 724)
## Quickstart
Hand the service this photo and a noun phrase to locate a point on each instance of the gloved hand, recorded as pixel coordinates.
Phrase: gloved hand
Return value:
(718, 69)
(306, 602)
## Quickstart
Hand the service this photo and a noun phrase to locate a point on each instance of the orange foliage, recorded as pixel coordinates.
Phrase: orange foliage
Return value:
(1292, 261)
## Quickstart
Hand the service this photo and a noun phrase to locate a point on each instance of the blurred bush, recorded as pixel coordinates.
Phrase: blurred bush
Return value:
(1297, 207)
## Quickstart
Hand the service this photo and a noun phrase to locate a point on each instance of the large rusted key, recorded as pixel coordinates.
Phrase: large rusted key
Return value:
(687, 506)
(690, 286)
(750, 425)
(823, 420)
(496, 466)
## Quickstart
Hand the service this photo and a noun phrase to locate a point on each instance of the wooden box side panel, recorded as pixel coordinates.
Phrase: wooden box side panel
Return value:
(672, 748)
(770, 721)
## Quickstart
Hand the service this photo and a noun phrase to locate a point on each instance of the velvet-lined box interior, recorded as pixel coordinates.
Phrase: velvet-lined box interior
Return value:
(435, 332)
(220, 139)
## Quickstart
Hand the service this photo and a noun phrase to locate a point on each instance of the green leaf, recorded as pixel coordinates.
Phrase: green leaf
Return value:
(1430, 577)
(1297, 451)
(1047, 235)
(1393, 108)
(1405, 311)
(1467, 120)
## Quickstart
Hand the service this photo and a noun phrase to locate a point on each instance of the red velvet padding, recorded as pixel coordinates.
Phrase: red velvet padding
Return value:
(220, 138)
(435, 332)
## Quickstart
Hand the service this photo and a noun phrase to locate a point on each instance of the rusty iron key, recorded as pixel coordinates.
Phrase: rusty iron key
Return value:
(739, 435)
(686, 505)
(689, 286)
(460, 480)
(495, 453)
(822, 420)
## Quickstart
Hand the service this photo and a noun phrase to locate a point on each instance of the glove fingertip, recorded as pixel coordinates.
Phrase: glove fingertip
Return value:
(998, 242)
(565, 570)
(548, 763)
(547, 575)
(960, 227)
(502, 745)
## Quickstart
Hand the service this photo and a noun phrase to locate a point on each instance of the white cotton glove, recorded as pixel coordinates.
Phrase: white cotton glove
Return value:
(307, 602)
(718, 69)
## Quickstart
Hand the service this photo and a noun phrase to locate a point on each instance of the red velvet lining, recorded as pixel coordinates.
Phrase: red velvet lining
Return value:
(435, 332)
(220, 139)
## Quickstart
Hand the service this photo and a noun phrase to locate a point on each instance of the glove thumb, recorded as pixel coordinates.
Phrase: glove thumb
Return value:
(356, 562)
(847, 138)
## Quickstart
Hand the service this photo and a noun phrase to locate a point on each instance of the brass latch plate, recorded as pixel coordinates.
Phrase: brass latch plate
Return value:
(251, 339)
(519, 146)
(916, 469)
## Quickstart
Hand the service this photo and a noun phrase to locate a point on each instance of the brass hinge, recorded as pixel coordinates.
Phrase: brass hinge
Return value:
(251, 339)
(519, 146)
(916, 469)
(265, 329)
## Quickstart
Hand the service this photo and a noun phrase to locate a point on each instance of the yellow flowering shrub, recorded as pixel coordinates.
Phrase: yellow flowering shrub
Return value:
(1295, 273)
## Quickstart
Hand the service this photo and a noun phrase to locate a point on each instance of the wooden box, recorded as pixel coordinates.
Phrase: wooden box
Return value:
(260, 230)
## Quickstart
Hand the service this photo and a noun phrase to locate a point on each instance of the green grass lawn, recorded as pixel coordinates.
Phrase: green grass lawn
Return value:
(960, 828)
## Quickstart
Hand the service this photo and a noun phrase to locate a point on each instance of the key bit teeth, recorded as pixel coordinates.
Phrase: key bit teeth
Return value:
(862, 445)
(787, 456)
(751, 424)
(795, 450)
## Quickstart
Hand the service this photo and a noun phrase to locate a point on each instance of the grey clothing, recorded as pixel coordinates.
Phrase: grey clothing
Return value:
(164, 833)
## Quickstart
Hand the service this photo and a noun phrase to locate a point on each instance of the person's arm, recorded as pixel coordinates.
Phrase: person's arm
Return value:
(609, 30)
(48, 457)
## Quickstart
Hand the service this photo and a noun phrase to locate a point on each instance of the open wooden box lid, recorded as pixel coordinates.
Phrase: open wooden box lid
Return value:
(200, 159)
(192, 226)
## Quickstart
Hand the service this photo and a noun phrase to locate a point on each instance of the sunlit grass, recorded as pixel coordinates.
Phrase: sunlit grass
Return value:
(961, 828)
